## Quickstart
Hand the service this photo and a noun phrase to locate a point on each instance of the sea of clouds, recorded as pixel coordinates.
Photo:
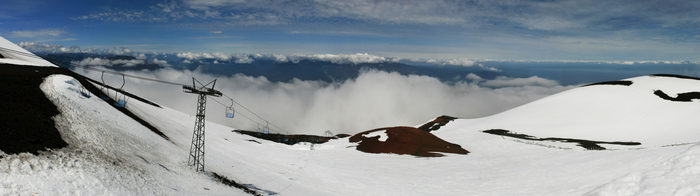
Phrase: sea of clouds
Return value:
(372, 100)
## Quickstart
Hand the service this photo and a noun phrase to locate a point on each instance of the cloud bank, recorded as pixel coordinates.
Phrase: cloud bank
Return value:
(108, 63)
(358, 58)
(374, 99)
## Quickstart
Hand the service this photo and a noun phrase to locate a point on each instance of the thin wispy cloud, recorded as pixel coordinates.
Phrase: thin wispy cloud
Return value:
(39, 33)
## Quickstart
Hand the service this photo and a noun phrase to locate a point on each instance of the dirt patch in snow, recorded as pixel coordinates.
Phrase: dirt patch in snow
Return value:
(286, 139)
(621, 83)
(437, 123)
(681, 97)
(404, 140)
(587, 144)
(675, 76)
(234, 184)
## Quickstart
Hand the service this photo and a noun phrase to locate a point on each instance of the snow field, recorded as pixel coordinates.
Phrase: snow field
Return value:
(496, 166)
(111, 154)
(108, 154)
(606, 113)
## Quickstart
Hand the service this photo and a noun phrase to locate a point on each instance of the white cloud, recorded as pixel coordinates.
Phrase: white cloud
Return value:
(374, 99)
(108, 63)
(280, 58)
(39, 33)
(456, 62)
(53, 48)
(216, 32)
(474, 77)
(502, 81)
(160, 62)
(337, 58)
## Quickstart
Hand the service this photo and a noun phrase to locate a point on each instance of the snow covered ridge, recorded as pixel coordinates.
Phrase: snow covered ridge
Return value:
(652, 111)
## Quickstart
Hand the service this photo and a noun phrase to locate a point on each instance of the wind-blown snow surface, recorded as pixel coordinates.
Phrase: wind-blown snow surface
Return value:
(111, 154)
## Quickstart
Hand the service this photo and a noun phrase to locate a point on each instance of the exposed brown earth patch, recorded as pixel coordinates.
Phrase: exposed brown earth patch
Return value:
(405, 140)
(437, 123)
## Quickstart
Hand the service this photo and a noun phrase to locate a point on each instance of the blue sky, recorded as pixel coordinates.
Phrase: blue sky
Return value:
(513, 30)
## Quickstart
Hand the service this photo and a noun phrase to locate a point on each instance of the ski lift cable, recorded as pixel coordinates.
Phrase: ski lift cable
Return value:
(239, 113)
(234, 101)
(217, 101)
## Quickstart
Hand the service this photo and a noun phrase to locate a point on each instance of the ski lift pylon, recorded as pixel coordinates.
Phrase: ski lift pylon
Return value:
(230, 110)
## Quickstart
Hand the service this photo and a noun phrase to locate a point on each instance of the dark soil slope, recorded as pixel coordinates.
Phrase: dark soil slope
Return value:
(405, 140)
(25, 112)
(286, 139)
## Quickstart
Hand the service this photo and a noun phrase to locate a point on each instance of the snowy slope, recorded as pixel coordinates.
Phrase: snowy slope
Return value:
(13, 54)
(114, 155)
(606, 113)
(496, 166)
(108, 154)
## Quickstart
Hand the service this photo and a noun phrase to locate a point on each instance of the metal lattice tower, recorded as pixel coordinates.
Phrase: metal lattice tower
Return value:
(196, 158)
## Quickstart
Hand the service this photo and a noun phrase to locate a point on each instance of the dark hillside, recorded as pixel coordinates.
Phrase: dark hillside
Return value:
(25, 120)
(26, 123)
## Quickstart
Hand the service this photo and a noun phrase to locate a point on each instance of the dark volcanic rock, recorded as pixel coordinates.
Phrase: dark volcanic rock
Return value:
(25, 117)
(437, 123)
(621, 83)
(681, 97)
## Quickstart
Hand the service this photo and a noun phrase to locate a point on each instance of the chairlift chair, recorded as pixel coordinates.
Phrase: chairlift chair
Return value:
(121, 100)
(84, 93)
(104, 94)
(264, 129)
(230, 110)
